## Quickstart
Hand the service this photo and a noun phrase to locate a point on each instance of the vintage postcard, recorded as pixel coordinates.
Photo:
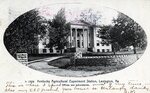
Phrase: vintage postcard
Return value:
(68, 46)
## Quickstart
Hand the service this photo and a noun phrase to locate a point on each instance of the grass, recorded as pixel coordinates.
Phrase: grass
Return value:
(104, 69)
(61, 62)
(65, 63)
(111, 53)
(31, 58)
(41, 56)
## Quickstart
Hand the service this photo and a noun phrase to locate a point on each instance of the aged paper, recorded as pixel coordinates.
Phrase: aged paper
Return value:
(17, 78)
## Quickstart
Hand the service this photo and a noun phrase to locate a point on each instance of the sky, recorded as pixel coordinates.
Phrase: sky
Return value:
(73, 12)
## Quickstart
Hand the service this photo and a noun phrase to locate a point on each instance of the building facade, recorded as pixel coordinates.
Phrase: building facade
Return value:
(83, 37)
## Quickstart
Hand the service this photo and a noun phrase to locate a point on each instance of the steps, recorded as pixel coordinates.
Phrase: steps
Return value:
(83, 50)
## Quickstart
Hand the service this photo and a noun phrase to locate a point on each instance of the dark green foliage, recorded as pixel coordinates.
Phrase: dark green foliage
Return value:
(22, 34)
(126, 32)
(59, 31)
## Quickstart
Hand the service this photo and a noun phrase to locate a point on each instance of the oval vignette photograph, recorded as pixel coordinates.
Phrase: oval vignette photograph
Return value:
(74, 40)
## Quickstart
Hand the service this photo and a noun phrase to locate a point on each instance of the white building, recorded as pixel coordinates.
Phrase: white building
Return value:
(83, 37)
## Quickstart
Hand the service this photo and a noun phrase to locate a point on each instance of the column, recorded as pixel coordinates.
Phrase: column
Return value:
(80, 41)
(83, 38)
(94, 39)
(76, 37)
(70, 37)
(87, 38)
(80, 34)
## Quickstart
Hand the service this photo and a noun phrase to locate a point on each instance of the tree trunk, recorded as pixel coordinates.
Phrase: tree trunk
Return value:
(61, 51)
(114, 52)
(113, 49)
(134, 49)
(135, 52)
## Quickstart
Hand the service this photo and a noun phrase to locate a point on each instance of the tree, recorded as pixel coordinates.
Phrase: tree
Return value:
(126, 32)
(59, 31)
(109, 38)
(102, 33)
(22, 34)
(90, 16)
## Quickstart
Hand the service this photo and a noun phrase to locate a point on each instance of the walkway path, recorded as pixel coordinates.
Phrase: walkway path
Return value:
(42, 65)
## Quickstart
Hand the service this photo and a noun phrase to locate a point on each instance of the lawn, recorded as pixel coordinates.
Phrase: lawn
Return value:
(60, 62)
(65, 63)
(32, 57)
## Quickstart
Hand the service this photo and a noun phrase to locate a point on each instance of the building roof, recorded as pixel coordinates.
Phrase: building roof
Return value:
(83, 23)
(79, 22)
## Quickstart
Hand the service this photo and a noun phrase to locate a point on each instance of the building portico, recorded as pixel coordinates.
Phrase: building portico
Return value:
(84, 36)
(79, 37)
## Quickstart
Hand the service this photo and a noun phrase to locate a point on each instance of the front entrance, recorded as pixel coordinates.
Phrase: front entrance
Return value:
(78, 43)
(83, 50)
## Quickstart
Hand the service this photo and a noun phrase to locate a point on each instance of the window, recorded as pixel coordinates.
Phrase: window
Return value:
(51, 50)
(97, 44)
(103, 50)
(98, 50)
(78, 34)
(107, 44)
(82, 43)
(78, 43)
(107, 50)
(44, 50)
